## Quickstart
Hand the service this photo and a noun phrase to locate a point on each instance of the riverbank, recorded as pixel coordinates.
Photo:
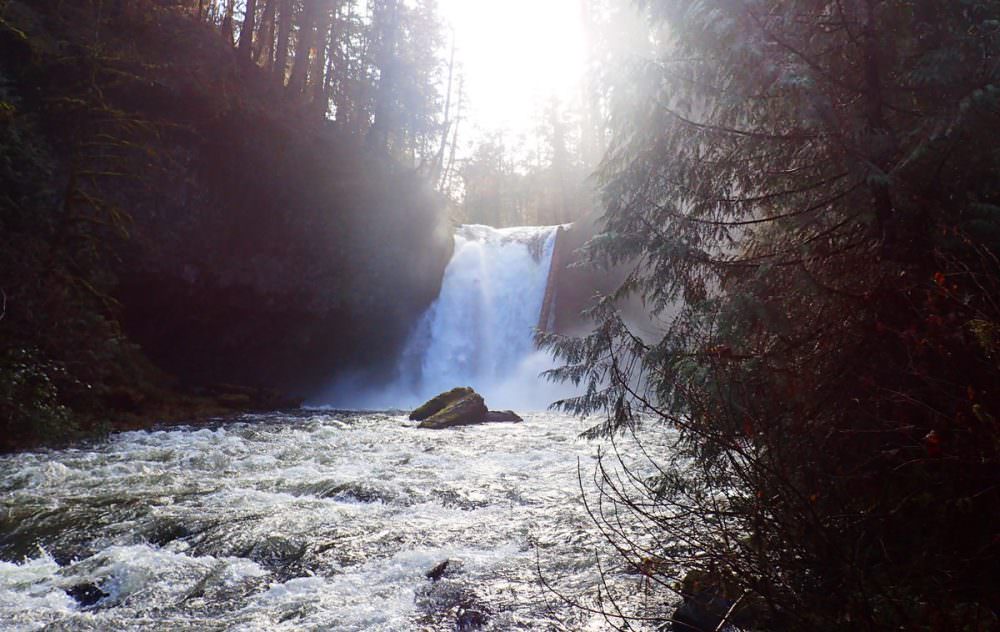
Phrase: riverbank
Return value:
(161, 407)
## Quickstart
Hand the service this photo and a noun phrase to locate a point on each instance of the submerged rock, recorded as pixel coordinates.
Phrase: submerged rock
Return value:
(439, 403)
(469, 409)
(438, 571)
(450, 603)
(165, 532)
(86, 594)
(701, 614)
(499, 416)
(470, 619)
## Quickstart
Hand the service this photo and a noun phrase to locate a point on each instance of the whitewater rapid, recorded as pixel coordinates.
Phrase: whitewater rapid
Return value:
(315, 521)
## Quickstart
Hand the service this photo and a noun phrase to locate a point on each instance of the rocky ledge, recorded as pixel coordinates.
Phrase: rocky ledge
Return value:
(460, 406)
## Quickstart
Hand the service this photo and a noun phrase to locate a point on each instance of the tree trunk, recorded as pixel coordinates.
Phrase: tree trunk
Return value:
(264, 50)
(281, 47)
(384, 115)
(304, 46)
(246, 31)
(880, 139)
(333, 61)
(450, 167)
(227, 21)
(446, 126)
(323, 65)
(343, 95)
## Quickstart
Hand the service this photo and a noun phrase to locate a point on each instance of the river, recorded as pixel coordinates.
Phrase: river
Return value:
(318, 520)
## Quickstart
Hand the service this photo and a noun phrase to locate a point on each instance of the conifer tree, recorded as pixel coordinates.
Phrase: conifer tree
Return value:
(311, 12)
(227, 20)
(806, 193)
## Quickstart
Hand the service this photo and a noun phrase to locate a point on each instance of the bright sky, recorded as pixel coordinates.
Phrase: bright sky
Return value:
(516, 55)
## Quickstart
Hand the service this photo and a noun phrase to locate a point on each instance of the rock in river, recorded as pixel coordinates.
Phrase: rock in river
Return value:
(468, 409)
(496, 416)
(460, 406)
(86, 594)
(440, 402)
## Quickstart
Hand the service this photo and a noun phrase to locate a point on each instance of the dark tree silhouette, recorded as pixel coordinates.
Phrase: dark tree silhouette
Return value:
(805, 193)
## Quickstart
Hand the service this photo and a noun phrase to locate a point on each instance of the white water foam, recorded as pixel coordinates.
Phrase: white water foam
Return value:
(306, 522)
(479, 332)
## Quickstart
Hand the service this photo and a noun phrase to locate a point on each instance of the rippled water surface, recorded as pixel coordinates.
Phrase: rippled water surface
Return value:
(312, 521)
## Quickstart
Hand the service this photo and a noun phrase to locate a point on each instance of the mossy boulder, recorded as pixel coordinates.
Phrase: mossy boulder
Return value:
(470, 409)
(460, 406)
(439, 403)
(457, 407)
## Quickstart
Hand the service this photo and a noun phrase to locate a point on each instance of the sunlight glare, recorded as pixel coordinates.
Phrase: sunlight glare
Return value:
(516, 56)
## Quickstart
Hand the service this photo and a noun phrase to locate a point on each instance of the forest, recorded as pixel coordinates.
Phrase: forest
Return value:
(170, 188)
(784, 257)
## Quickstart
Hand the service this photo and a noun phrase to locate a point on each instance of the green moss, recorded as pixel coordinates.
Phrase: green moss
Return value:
(467, 410)
(440, 402)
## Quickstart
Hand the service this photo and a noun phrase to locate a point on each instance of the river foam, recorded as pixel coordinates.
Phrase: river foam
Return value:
(314, 521)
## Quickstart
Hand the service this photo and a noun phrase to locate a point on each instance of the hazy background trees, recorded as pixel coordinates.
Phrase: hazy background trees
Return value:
(545, 176)
(543, 180)
(386, 70)
(372, 67)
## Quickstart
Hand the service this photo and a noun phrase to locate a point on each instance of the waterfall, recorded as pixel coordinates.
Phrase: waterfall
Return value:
(479, 331)
(480, 327)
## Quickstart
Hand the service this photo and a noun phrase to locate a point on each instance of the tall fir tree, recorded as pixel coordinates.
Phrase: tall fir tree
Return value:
(806, 194)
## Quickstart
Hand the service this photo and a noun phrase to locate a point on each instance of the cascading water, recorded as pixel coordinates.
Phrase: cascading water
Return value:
(479, 332)
(480, 328)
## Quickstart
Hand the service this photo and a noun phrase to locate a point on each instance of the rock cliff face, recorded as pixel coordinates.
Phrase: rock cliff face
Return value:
(573, 284)
(279, 249)
(283, 280)
(290, 243)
